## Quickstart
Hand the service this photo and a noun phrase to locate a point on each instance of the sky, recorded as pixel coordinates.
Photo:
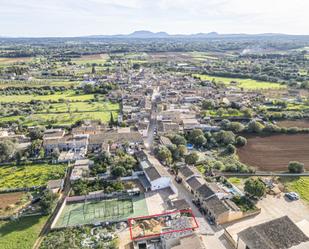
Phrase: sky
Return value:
(39, 18)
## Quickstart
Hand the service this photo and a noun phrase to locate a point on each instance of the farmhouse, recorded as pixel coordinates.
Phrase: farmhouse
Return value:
(281, 233)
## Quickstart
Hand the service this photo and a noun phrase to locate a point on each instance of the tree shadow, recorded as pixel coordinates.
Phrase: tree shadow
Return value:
(18, 225)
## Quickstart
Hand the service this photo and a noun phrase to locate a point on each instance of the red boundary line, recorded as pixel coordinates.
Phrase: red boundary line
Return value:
(189, 211)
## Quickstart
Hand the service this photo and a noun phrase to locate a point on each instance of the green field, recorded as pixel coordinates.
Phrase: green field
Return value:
(67, 95)
(29, 175)
(299, 185)
(67, 113)
(21, 234)
(38, 83)
(100, 211)
(91, 59)
(248, 84)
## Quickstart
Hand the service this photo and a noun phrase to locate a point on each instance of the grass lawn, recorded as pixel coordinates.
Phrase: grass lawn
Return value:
(21, 234)
(242, 83)
(299, 185)
(67, 95)
(29, 175)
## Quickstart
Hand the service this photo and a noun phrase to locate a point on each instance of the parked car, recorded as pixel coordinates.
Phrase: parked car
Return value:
(292, 196)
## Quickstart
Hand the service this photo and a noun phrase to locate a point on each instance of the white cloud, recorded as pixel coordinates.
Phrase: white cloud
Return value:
(79, 17)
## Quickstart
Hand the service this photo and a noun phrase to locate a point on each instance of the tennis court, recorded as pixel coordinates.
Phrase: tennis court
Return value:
(100, 211)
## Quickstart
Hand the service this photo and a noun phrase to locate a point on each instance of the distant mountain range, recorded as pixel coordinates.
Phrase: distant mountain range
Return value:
(145, 34)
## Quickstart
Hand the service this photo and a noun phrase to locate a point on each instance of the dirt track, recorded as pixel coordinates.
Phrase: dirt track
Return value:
(274, 153)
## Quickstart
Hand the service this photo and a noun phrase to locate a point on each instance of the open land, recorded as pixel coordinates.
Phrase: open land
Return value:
(29, 175)
(294, 123)
(242, 83)
(273, 153)
(21, 233)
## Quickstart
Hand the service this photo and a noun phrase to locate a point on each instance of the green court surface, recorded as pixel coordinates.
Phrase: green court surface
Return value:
(102, 210)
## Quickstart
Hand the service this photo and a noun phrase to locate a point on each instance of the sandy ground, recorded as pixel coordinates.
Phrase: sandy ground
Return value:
(272, 208)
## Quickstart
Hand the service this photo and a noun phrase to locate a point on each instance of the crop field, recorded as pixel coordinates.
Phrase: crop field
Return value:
(100, 211)
(301, 123)
(67, 95)
(4, 60)
(38, 83)
(248, 84)
(29, 175)
(21, 234)
(273, 153)
(91, 59)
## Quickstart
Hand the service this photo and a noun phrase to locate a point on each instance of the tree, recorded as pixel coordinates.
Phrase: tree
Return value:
(7, 150)
(118, 171)
(200, 141)
(192, 158)
(164, 154)
(255, 187)
(35, 134)
(230, 149)
(255, 126)
(111, 120)
(47, 201)
(182, 150)
(225, 137)
(88, 88)
(241, 141)
(296, 167)
(208, 104)
(55, 154)
(35, 147)
(178, 140)
(235, 127)
(175, 152)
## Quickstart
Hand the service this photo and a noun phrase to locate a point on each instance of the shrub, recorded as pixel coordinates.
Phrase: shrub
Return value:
(296, 167)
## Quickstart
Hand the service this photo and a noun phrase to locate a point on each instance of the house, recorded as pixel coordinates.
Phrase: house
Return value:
(81, 169)
(154, 177)
(55, 185)
(193, 183)
(165, 141)
(281, 233)
(180, 204)
(186, 172)
(192, 241)
(216, 205)
(116, 138)
(77, 143)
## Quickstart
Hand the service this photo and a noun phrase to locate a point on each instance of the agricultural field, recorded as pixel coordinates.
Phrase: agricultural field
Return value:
(91, 59)
(11, 202)
(30, 175)
(294, 123)
(5, 61)
(67, 95)
(273, 153)
(247, 84)
(21, 233)
(38, 83)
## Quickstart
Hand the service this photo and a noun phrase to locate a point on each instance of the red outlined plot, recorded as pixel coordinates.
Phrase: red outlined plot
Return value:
(137, 225)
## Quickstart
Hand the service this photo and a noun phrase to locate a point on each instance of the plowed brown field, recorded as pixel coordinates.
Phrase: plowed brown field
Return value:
(273, 153)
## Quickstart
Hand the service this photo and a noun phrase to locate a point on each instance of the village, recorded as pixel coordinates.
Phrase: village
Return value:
(172, 168)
